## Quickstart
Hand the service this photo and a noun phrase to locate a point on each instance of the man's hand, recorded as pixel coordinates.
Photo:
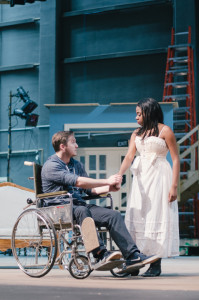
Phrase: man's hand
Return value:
(114, 188)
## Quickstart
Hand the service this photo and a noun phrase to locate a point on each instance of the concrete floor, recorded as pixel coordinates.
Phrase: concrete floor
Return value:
(179, 280)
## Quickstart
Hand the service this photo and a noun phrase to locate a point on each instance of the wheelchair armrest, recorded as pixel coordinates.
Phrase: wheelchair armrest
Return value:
(53, 194)
(93, 197)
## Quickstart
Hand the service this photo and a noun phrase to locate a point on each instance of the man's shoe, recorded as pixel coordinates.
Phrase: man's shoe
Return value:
(140, 258)
(137, 261)
(110, 256)
(108, 261)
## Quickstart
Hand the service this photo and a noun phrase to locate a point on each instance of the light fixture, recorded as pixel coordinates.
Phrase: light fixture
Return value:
(26, 111)
(22, 2)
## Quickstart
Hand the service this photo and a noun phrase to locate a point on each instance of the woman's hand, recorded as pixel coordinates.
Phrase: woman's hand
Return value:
(115, 179)
(173, 194)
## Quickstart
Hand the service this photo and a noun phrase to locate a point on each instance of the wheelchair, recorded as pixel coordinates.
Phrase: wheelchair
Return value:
(46, 236)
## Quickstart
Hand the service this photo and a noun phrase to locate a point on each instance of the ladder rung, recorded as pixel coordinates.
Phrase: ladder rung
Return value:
(181, 33)
(181, 122)
(180, 47)
(180, 72)
(177, 110)
(188, 160)
(179, 134)
(181, 59)
(184, 147)
(176, 67)
(177, 97)
(183, 173)
(182, 84)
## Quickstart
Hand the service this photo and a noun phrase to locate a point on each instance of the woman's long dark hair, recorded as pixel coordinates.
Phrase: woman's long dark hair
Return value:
(152, 115)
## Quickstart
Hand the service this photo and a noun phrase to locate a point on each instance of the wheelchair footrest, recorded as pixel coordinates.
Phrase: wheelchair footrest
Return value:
(108, 265)
(89, 234)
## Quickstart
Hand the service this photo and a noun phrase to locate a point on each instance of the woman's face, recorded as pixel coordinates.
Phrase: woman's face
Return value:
(139, 117)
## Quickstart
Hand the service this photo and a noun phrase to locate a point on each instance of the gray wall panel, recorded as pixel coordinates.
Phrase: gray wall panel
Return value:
(108, 33)
(20, 45)
(121, 80)
(19, 12)
(89, 4)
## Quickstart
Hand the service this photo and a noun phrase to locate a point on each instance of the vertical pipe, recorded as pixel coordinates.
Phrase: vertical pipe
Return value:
(9, 137)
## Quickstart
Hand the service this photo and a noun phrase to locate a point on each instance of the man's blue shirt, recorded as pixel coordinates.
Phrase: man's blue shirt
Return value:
(58, 176)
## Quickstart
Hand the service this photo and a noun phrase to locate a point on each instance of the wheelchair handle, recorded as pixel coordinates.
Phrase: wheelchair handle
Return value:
(28, 163)
(29, 201)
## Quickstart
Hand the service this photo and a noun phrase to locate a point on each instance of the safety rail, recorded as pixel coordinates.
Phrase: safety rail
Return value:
(189, 184)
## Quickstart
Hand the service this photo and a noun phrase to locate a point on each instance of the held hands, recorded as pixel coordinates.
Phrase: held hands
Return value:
(114, 182)
(114, 188)
(115, 179)
(172, 194)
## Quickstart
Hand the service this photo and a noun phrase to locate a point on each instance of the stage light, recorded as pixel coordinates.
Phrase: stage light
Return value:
(29, 105)
(19, 113)
(32, 120)
(22, 2)
(25, 112)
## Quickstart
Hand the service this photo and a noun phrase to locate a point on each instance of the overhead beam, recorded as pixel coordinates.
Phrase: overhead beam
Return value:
(115, 8)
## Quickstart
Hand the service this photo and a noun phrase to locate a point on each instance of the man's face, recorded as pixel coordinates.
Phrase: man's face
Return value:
(71, 147)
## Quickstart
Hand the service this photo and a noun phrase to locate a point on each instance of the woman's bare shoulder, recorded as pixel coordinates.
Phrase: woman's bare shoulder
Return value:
(167, 131)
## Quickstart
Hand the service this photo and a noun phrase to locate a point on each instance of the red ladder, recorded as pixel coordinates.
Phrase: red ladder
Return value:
(179, 84)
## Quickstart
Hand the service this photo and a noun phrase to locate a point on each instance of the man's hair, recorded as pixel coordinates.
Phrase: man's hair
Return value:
(60, 137)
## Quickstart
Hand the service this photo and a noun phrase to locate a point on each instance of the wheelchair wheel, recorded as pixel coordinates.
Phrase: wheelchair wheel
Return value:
(34, 243)
(115, 271)
(79, 267)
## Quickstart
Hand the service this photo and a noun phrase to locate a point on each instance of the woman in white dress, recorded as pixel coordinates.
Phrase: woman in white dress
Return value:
(152, 209)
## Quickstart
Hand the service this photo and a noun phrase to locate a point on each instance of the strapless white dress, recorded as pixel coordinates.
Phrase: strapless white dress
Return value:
(151, 220)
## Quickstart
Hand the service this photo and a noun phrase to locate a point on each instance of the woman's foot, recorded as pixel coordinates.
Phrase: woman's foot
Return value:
(154, 269)
(135, 273)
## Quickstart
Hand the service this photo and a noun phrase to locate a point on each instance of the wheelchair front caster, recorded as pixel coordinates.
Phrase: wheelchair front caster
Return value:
(79, 267)
(115, 271)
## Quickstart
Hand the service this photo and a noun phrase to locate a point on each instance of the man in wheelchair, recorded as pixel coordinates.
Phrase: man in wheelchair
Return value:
(62, 172)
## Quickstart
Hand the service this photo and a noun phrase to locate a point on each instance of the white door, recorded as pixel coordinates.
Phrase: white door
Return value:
(103, 162)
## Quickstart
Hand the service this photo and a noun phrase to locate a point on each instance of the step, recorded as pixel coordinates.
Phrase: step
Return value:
(188, 160)
(179, 134)
(178, 72)
(177, 67)
(188, 213)
(183, 173)
(190, 200)
(181, 59)
(180, 127)
(180, 115)
(182, 147)
(178, 85)
(180, 47)
(181, 33)
(177, 97)
(179, 110)
(181, 122)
